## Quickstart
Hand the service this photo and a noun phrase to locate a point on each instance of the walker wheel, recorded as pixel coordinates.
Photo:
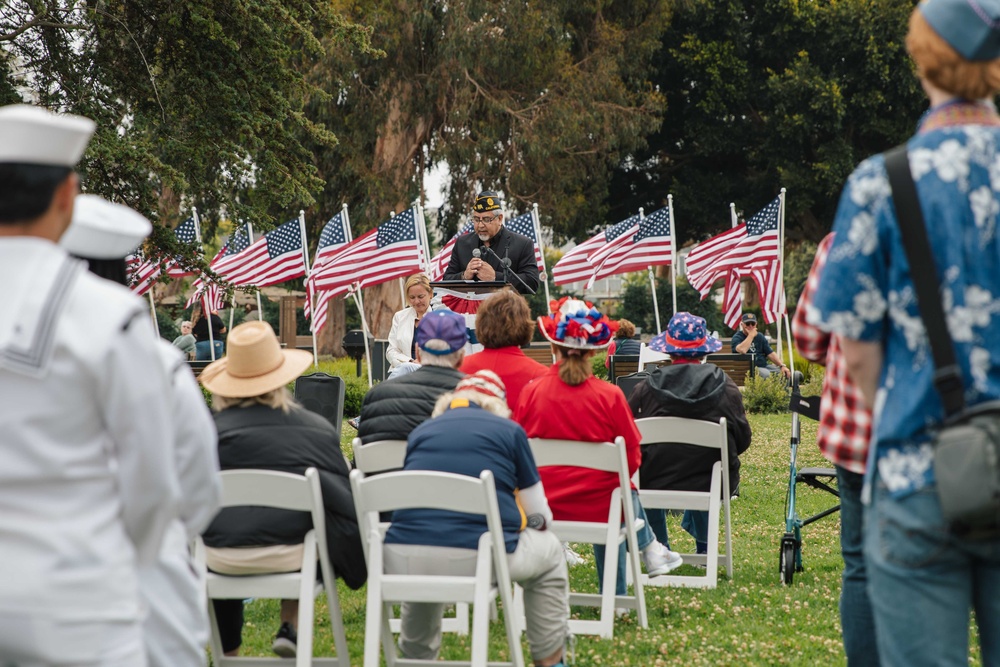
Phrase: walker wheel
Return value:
(787, 562)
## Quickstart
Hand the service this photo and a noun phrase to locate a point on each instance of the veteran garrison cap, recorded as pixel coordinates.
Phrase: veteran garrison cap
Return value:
(487, 200)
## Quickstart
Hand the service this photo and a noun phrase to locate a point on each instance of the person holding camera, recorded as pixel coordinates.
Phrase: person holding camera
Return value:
(750, 341)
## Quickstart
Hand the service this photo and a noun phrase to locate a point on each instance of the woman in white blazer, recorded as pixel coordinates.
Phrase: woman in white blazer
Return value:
(418, 294)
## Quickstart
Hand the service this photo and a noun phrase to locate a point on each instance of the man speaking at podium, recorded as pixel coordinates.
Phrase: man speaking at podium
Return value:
(481, 256)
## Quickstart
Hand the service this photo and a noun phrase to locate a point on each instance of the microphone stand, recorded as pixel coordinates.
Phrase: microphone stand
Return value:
(505, 262)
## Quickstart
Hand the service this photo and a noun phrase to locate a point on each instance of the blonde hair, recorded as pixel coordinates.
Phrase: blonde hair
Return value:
(276, 399)
(574, 364)
(491, 404)
(415, 280)
(941, 65)
(625, 329)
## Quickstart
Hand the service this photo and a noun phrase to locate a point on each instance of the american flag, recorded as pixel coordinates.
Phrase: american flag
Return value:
(332, 240)
(391, 250)
(525, 226)
(615, 238)
(274, 258)
(575, 265)
(211, 295)
(747, 246)
(649, 246)
(439, 263)
(143, 274)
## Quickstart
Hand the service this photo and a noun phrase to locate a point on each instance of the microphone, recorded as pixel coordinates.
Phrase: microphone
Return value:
(505, 261)
(477, 253)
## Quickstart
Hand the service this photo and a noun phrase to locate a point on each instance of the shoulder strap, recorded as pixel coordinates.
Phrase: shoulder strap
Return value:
(913, 231)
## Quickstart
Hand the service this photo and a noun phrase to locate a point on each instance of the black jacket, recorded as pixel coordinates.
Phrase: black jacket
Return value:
(694, 391)
(518, 248)
(393, 408)
(200, 329)
(262, 438)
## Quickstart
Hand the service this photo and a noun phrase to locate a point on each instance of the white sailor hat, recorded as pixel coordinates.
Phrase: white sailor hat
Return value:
(102, 230)
(32, 135)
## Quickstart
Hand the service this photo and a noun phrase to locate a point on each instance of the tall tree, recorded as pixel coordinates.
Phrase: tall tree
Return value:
(537, 99)
(764, 94)
(197, 102)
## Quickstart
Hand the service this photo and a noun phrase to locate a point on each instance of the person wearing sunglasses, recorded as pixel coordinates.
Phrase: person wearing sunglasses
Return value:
(481, 255)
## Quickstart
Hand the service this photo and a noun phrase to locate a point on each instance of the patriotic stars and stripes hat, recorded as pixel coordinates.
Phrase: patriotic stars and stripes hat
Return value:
(577, 324)
(686, 336)
(484, 382)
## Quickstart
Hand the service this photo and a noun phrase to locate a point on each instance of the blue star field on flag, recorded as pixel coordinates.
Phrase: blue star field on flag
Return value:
(523, 225)
(238, 241)
(656, 223)
(333, 233)
(616, 230)
(285, 238)
(765, 220)
(399, 228)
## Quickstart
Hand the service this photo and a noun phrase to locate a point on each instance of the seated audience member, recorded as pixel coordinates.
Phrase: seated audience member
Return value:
(470, 432)
(186, 341)
(750, 341)
(262, 427)
(503, 325)
(208, 343)
(393, 408)
(694, 390)
(401, 351)
(175, 627)
(569, 403)
(624, 342)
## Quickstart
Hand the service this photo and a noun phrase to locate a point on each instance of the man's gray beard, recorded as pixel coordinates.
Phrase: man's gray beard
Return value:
(484, 237)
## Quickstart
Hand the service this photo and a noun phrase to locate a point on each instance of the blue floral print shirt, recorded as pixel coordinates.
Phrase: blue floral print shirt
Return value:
(866, 292)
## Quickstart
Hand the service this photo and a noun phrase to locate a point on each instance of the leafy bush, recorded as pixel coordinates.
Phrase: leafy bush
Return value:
(765, 396)
(597, 364)
(814, 385)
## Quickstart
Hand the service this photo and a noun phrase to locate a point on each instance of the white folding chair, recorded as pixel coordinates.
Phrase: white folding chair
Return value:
(443, 491)
(282, 490)
(664, 432)
(607, 457)
(386, 455)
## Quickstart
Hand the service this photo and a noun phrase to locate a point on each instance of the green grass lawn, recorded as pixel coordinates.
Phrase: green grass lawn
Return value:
(750, 620)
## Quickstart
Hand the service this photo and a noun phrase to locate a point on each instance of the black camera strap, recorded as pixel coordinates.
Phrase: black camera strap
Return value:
(913, 232)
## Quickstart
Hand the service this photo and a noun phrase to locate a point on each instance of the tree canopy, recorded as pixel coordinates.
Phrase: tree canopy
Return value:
(769, 94)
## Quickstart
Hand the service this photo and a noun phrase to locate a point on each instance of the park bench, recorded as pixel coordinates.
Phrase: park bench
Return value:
(540, 352)
(736, 366)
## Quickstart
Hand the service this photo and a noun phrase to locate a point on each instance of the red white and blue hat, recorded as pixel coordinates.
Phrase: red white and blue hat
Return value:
(686, 336)
(577, 324)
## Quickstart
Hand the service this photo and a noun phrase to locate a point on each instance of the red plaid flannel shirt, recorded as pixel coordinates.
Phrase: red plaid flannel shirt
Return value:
(845, 425)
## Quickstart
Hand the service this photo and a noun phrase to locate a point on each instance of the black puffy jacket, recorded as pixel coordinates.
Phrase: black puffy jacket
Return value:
(393, 408)
(263, 438)
(694, 391)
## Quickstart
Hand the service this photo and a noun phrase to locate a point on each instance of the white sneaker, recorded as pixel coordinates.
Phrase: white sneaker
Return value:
(658, 559)
(572, 557)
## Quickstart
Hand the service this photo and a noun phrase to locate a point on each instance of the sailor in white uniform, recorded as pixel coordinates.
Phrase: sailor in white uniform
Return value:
(87, 480)
(172, 588)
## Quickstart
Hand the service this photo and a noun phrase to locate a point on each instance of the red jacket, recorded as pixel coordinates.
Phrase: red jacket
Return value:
(594, 411)
(510, 363)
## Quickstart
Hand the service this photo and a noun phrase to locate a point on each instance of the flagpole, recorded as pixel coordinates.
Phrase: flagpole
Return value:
(541, 249)
(673, 253)
(652, 283)
(734, 220)
(425, 240)
(732, 215)
(364, 332)
(152, 307)
(206, 311)
(781, 277)
(305, 259)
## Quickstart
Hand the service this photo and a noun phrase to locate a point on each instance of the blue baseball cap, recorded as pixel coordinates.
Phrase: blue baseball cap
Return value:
(971, 27)
(443, 325)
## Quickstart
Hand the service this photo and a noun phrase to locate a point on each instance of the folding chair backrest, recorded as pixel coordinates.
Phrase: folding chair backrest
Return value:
(425, 489)
(597, 455)
(268, 488)
(687, 431)
(379, 456)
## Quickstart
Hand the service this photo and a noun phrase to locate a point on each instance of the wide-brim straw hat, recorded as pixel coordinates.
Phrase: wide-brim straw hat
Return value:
(254, 364)
(577, 324)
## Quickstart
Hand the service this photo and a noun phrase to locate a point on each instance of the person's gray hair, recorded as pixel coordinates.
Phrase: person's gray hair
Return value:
(277, 399)
(451, 360)
(491, 404)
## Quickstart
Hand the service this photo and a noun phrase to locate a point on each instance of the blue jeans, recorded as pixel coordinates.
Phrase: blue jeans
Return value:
(644, 537)
(203, 350)
(856, 617)
(923, 581)
(695, 522)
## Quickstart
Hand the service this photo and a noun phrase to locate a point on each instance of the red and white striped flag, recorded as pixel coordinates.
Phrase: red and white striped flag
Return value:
(749, 245)
(274, 258)
(439, 262)
(575, 265)
(650, 245)
(391, 250)
(142, 275)
(332, 240)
